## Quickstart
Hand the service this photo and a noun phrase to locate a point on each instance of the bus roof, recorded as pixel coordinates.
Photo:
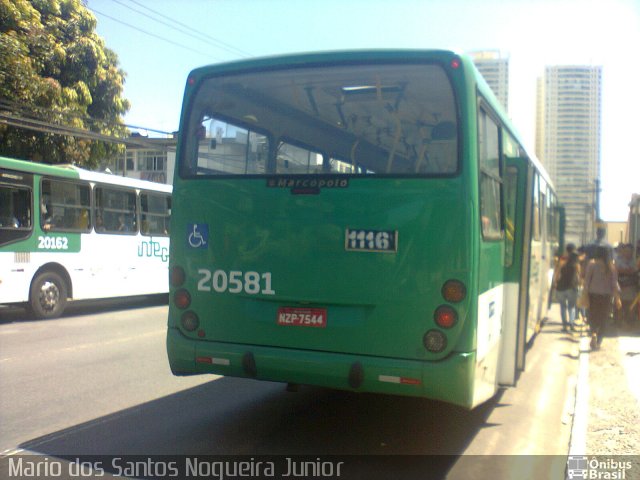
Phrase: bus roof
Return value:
(73, 172)
(329, 57)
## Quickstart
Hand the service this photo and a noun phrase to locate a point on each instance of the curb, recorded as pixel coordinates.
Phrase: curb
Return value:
(578, 441)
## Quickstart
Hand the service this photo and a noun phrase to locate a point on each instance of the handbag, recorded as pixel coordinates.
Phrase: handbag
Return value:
(583, 299)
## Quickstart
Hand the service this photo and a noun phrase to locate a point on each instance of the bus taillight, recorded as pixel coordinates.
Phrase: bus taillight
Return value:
(445, 316)
(177, 276)
(454, 291)
(189, 321)
(434, 341)
(182, 299)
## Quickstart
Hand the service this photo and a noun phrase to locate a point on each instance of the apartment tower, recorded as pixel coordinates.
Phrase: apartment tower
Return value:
(494, 67)
(568, 125)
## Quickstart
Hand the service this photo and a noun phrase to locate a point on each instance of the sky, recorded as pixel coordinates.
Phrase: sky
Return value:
(159, 41)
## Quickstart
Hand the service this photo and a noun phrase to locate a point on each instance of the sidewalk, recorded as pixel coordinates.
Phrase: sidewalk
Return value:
(607, 413)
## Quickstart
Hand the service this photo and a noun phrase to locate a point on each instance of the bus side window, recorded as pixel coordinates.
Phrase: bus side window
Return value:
(115, 210)
(15, 213)
(65, 206)
(15, 203)
(155, 213)
(490, 179)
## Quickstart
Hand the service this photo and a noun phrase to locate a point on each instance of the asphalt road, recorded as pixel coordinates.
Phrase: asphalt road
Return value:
(97, 382)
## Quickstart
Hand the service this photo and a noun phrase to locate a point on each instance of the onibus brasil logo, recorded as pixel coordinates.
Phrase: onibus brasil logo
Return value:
(583, 467)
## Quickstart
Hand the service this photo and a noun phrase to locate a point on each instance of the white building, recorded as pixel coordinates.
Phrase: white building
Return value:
(145, 158)
(568, 130)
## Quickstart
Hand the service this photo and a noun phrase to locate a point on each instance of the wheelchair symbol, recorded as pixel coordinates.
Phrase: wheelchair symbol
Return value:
(198, 235)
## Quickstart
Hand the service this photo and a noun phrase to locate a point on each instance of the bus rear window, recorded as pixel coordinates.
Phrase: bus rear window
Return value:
(394, 119)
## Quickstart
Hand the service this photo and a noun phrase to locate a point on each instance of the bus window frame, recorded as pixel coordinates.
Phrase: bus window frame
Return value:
(536, 233)
(187, 171)
(511, 175)
(77, 182)
(510, 146)
(483, 105)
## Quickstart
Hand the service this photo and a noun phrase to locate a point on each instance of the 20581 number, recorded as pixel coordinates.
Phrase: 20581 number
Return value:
(220, 281)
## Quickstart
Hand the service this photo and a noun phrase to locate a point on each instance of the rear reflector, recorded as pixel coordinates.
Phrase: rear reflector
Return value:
(213, 361)
(399, 380)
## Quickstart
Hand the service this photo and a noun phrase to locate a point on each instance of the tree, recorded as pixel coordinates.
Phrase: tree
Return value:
(54, 68)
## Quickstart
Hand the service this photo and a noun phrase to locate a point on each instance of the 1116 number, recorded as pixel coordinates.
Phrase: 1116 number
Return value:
(371, 240)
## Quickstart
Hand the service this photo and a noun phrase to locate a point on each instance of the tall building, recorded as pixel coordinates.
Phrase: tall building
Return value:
(494, 67)
(568, 125)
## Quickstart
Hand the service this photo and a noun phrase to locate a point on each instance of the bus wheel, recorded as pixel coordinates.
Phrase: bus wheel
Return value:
(48, 295)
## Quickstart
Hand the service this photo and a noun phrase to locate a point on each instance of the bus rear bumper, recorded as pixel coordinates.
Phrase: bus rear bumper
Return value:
(450, 380)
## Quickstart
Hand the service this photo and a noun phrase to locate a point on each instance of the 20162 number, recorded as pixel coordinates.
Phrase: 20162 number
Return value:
(234, 281)
(53, 243)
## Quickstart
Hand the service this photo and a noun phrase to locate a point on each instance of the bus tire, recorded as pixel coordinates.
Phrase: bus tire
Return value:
(48, 295)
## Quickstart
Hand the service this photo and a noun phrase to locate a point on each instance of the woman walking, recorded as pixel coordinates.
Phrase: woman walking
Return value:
(601, 282)
(565, 281)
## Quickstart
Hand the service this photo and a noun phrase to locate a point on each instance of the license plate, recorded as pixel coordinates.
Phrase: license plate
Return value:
(302, 317)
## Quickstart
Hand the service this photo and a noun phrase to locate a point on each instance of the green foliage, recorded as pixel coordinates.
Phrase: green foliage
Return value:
(55, 68)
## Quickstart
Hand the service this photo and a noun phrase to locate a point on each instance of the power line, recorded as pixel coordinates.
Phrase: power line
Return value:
(34, 111)
(187, 30)
(18, 121)
(154, 35)
(154, 130)
(48, 127)
(202, 34)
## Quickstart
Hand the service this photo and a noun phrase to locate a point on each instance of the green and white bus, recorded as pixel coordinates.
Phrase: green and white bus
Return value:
(364, 220)
(69, 233)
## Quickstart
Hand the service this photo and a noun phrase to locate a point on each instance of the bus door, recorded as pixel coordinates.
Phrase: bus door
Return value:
(517, 189)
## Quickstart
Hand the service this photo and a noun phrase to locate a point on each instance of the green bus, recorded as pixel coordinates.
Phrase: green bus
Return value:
(362, 220)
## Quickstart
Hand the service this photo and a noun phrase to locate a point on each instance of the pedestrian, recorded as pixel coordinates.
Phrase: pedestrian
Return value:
(581, 311)
(601, 283)
(566, 280)
(628, 281)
